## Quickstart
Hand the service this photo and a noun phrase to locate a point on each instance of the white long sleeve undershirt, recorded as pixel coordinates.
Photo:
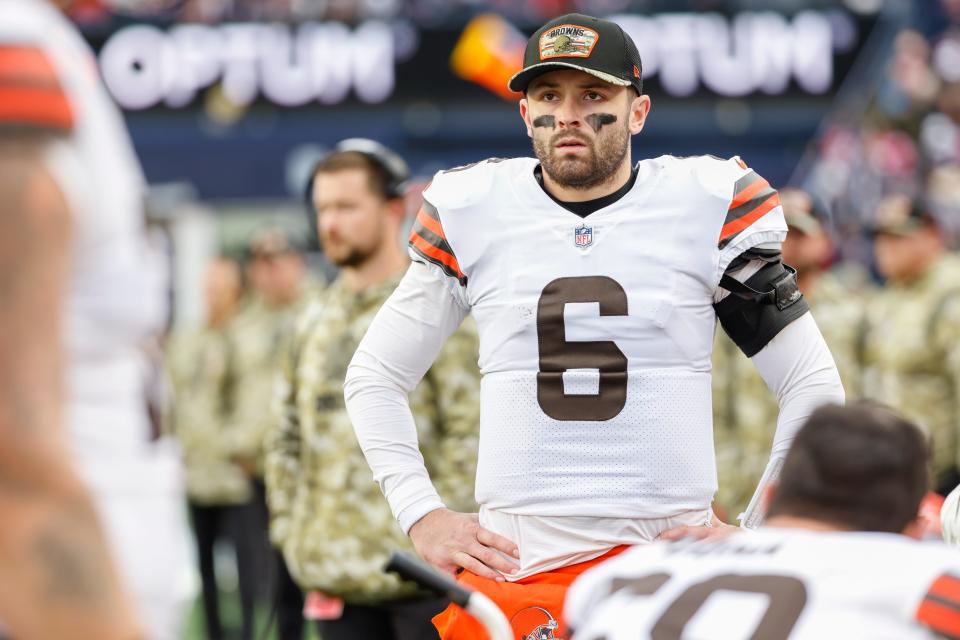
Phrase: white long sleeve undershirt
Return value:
(416, 320)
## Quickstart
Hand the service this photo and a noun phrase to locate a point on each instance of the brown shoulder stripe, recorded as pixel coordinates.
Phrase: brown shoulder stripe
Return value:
(30, 91)
(428, 240)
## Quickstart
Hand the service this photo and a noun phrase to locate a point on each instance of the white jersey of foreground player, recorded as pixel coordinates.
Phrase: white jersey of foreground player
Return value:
(573, 466)
(115, 301)
(775, 584)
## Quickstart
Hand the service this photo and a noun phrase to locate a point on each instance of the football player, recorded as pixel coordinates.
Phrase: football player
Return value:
(80, 296)
(596, 284)
(837, 557)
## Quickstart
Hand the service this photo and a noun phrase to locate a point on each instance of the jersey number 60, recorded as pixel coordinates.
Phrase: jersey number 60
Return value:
(557, 355)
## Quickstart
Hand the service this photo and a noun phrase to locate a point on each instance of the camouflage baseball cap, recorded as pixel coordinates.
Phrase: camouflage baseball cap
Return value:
(900, 215)
(799, 211)
(271, 241)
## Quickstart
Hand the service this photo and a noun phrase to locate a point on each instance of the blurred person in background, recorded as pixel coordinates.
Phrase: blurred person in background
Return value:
(280, 289)
(912, 340)
(838, 556)
(219, 489)
(81, 295)
(276, 273)
(743, 407)
(327, 514)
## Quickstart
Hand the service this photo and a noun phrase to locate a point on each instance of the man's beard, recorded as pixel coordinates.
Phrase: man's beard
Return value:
(606, 154)
(352, 257)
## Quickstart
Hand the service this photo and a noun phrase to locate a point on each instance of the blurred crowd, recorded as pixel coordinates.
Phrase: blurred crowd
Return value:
(93, 12)
(873, 234)
(899, 134)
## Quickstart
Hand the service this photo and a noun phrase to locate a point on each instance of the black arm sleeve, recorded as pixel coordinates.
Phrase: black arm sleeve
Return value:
(758, 309)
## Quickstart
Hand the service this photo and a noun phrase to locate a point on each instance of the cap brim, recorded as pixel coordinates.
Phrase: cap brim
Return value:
(805, 224)
(898, 230)
(521, 80)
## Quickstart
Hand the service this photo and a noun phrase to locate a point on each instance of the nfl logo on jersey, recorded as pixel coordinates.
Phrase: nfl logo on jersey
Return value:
(583, 236)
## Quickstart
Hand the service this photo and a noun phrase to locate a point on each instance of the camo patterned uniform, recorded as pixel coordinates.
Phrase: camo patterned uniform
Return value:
(328, 515)
(744, 410)
(258, 338)
(204, 392)
(912, 354)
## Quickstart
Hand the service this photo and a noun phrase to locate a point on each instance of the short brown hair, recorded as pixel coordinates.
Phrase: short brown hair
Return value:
(377, 175)
(861, 467)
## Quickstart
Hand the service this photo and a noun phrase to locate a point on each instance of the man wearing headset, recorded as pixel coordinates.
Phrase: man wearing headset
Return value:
(327, 515)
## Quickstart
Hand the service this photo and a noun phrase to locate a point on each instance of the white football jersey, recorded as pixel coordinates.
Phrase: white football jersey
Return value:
(115, 299)
(772, 584)
(115, 294)
(596, 332)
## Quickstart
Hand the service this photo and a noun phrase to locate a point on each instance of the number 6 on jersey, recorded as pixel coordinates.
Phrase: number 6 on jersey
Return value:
(557, 355)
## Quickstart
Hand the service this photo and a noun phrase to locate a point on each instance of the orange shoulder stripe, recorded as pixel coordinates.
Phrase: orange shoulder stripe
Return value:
(25, 62)
(946, 587)
(741, 223)
(748, 192)
(437, 254)
(941, 618)
(35, 106)
(30, 91)
(424, 219)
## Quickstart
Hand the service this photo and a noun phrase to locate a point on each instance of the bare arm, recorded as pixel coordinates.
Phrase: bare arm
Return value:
(57, 580)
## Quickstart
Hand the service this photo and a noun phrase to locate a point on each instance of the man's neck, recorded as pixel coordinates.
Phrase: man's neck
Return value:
(796, 522)
(921, 268)
(380, 267)
(217, 319)
(570, 194)
(286, 299)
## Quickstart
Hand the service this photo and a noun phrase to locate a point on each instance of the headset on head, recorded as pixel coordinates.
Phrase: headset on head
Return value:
(398, 173)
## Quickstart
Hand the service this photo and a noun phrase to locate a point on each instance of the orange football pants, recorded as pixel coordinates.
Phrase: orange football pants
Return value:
(520, 601)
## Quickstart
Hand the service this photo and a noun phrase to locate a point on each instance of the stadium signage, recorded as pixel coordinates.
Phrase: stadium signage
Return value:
(144, 66)
(328, 62)
(748, 53)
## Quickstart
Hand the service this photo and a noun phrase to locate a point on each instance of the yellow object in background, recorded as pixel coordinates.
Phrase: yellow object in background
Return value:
(489, 52)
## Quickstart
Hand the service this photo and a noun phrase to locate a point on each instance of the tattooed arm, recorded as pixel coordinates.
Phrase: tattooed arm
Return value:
(57, 579)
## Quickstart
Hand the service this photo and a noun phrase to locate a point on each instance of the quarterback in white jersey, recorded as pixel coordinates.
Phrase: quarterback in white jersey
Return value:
(596, 285)
(837, 558)
(114, 301)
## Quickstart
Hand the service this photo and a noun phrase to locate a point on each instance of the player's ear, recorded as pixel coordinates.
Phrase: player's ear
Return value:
(525, 114)
(639, 109)
(396, 209)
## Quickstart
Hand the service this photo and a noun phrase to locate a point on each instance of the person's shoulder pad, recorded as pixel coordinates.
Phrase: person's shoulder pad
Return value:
(718, 176)
(462, 186)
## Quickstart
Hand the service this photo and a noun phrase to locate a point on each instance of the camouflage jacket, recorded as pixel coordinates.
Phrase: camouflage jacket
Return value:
(745, 411)
(912, 355)
(198, 366)
(258, 339)
(328, 515)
